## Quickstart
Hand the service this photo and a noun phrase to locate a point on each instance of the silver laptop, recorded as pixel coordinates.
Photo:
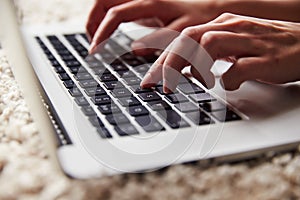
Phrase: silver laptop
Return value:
(106, 124)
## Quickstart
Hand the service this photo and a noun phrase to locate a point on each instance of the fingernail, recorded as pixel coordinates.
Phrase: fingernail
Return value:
(92, 47)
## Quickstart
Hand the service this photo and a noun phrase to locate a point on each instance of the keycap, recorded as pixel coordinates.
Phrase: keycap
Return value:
(212, 106)
(95, 64)
(68, 58)
(101, 100)
(125, 130)
(133, 80)
(134, 62)
(126, 102)
(122, 92)
(64, 76)
(126, 74)
(159, 105)
(142, 68)
(186, 107)
(202, 97)
(149, 123)
(88, 83)
(77, 69)
(176, 98)
(69, 84)
(104, 133)
(119, 67)
(88, 110)
(72, 63)
(199, 118)
(116, 119)
(128, 56)
(81, 101)
(160, 90)
(137, 89)
(107, 77)
(75, 92)
(109, 109)
(137, 110)
(173, 119)
(95, 91)
(100, 71)
(226, 115)
(111, 85)
(59, 69)
(149, 96)
(183, 79)
(190, 88)
(95, 121)
(83, 76)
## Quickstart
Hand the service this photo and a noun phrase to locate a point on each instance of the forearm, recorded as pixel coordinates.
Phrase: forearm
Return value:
(288, 10)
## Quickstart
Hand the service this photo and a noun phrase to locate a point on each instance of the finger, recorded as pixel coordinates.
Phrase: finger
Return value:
(150, 22)
(159, 39)
(154, 75)
(126, 12)
(96, 15)
(242, 70)
(208, 81)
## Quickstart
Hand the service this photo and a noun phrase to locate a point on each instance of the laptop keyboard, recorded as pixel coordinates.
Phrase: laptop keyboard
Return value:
(106, 88)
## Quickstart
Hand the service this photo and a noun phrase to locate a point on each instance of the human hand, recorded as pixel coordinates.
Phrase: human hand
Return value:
(262, 50)
(106, 16)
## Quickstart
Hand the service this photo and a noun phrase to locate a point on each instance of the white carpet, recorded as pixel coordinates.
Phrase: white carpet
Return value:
(27, 173)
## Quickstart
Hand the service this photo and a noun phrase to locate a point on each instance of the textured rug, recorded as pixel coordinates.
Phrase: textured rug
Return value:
(27, 173)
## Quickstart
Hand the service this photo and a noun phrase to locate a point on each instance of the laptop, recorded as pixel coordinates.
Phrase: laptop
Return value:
(103, 123)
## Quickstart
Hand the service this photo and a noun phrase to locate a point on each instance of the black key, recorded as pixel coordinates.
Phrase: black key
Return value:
(76, 70)
(134, 62)
(113, 85)
(173, 119)
(109, 109)
(96, 64)
(69, 84)
(226, 115)
(159, 105)
(199, 118)
(142, 68)
(107, 56)
(138, 90)
(88, 111)
(212, 106)
(75, 92)
(138, 110)
(101, 100)
(126, 102)
(81, 101)
(133, 80)
(202, 97)
(149, 96)
(176, 98)
(107, 77)
(64, 76)
(186, 107)
(119, 67)
(126, 74)
(183, 79)
(128, 57)
(95, 91)
(95, 121)
(116, 119)
(67, 58)
(55, 63)
(59, 69)
(100, 71)
(122, 92)
(126, 129)
(190, 88)
(83, 76)
(88, 83)
(104, 133)
(160, 90)
(73, 63)
(149, 123)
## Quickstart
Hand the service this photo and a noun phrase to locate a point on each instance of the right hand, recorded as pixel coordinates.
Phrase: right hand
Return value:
(106, 16)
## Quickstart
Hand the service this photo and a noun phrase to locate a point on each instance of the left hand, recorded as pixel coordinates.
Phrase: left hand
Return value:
(262, 50)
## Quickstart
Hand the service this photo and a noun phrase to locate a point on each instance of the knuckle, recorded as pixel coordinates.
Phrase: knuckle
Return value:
(190, 32)
(114, 11)
(209, 39)
(225, 16)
